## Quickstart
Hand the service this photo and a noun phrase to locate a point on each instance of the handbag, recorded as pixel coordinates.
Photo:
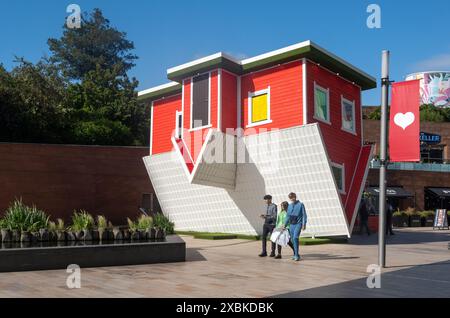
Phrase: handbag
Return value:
(280, 237)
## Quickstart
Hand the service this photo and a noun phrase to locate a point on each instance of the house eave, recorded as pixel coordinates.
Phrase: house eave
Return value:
(306, 49)
(160, 91)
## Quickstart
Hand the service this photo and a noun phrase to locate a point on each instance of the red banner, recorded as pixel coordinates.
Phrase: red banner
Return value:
(404, 128)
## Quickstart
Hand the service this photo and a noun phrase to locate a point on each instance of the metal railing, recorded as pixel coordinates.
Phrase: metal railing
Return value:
(442, 166)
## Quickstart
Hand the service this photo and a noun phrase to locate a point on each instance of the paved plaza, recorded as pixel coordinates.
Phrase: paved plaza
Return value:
(418, 266)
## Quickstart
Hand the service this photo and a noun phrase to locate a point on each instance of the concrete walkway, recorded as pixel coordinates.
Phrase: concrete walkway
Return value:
(418, 260)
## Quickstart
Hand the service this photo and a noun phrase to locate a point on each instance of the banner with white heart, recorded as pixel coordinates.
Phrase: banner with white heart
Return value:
(404, 128)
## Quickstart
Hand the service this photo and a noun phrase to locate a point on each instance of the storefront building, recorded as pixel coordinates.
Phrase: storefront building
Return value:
(424, 185)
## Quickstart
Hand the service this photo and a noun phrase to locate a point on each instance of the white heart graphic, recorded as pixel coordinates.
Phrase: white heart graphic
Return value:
(404, 120)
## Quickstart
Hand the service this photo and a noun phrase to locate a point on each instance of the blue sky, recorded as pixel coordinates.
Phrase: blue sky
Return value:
(168, 33)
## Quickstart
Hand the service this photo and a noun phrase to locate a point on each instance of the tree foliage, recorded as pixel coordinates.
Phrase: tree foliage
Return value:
(95, 45)
(428, 112)
(32, 103)
(81, 94)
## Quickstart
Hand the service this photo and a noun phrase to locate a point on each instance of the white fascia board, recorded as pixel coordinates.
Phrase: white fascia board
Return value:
(157, 88)
(301, 45)
(202, 60)
(261, 57)
(276, 52)
(337, 58)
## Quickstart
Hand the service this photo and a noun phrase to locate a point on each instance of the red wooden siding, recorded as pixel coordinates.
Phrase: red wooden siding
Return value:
(214, 98)
(358, 178)
(286, 106)
(164, 111)
(342, 147)
(229, 101)
(194, 139)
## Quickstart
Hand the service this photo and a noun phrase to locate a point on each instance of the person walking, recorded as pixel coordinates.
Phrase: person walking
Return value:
(296, 220)
(270, 219)
(389, 213)
(364, 216)
(281, 220)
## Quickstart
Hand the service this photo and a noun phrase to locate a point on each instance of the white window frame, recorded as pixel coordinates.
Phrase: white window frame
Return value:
(342, 168)
(249, 106)
(177, 132)
(352, 102)
(192, 103)
(326, 91)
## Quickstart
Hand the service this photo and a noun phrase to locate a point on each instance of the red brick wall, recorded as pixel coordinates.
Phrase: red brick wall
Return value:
(372, 133)
(412, 181)
(59, 179)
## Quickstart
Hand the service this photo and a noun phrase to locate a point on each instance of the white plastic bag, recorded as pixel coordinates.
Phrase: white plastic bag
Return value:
(280, 237)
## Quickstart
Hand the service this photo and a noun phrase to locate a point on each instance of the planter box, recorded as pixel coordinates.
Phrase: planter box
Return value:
(173, 249)
(400, 221)
(429, 222)
(414, 221)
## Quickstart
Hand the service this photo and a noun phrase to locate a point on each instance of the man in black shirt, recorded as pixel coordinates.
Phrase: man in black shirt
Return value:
(270, 219)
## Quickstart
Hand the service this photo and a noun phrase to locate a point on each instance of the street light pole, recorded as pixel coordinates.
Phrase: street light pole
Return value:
(383, 155)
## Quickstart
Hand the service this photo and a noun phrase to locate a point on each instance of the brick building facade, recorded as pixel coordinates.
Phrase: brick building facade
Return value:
(416, 178)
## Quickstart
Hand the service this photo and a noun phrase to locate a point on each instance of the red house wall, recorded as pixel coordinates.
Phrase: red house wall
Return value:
(229, 100)
(164, 112)
(286, 95)
(194, 139)
(342, 147)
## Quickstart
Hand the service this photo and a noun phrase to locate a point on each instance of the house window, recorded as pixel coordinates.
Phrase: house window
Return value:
(321, 103)
(348, 115)
(179, 125)
(200, 101)
(259, 107)
(339, 176)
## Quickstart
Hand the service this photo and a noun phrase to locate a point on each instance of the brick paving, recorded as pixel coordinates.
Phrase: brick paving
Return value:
(418, 265)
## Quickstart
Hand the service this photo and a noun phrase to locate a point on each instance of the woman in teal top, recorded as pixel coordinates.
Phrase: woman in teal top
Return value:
(281, 221)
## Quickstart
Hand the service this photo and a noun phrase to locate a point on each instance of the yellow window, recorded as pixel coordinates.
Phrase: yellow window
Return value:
(260, 108)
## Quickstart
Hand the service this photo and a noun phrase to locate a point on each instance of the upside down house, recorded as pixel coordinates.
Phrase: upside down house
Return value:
(224, 132)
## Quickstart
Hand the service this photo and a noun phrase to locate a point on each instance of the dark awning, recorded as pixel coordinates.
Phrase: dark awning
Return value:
(394, 192)
(440, 192)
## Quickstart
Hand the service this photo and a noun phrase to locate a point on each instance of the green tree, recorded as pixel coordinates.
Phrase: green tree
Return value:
(11, 112)
(81, 94)
(375, 115)
(96, 44)
(96, 59)
(107, 101)
(429, 112)
(32, 103)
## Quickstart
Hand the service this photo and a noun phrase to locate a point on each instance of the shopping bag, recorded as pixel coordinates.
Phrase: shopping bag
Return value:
(280, 237)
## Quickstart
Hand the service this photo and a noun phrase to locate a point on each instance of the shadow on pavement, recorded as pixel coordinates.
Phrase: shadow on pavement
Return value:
(320, 257)
(403, 237)
(193, 255)
(227, 244)
(430, 280)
